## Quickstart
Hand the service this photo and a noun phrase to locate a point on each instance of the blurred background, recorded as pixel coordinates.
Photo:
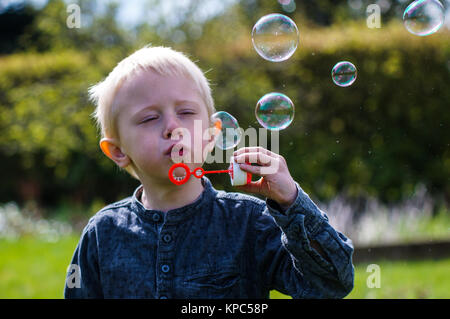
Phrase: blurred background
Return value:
(374, 156)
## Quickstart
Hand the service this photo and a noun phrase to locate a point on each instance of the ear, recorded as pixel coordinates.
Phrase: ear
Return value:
(110, 147)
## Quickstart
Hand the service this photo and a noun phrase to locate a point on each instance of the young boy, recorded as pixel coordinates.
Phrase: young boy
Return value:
(191, 240)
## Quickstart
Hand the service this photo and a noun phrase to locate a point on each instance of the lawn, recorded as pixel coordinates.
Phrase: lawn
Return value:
(33, 268)
(401, 279)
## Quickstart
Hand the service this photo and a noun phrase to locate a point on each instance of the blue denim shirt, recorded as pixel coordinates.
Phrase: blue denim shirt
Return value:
(223, 245)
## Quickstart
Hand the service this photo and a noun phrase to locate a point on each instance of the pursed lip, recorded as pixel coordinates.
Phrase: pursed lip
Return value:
(169, 150)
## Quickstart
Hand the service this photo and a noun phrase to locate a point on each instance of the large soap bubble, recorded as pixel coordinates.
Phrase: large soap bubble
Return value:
(424, 17)
(275, 111)
(275, 37)
(230, 132)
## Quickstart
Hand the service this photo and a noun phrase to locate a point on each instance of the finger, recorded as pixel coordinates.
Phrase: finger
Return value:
(255, 158)
(256, 170)
(252, 187)
(261, 170)
(253, 149)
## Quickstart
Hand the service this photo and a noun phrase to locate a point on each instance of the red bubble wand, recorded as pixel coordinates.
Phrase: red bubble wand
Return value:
(238, 176)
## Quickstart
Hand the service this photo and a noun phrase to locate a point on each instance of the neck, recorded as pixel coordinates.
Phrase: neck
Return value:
(172, 196)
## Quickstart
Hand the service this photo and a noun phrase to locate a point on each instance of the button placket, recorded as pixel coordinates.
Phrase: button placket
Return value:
(165, 258)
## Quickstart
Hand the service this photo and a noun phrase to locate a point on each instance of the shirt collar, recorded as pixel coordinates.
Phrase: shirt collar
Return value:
(178, 214)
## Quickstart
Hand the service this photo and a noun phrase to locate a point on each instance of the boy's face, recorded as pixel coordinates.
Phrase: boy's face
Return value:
(151, 109)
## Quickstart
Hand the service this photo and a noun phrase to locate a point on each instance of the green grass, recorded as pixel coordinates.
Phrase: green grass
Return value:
(401, 279)
(32, 268)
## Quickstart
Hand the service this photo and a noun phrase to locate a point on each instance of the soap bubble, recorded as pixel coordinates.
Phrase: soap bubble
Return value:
(230, 133)
(275, 37)
(424, 17)
(288, 5)
(344, 73)
(275, 111)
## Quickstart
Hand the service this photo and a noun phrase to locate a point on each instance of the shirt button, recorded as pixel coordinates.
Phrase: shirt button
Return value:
(167, 238)
(165, 268)
(156, 217)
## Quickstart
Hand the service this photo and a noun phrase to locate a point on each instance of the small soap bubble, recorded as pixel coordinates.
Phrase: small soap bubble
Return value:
(424, 17)
(288, 5)
(230, 132)
(344, 73)
(355, 4)
(275, 37)
(275, 111)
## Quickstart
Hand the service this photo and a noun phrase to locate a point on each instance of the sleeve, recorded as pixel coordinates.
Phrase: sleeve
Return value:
(290, 264)
(83, 276)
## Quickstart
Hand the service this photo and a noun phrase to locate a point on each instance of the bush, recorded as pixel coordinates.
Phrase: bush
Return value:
(380, 137)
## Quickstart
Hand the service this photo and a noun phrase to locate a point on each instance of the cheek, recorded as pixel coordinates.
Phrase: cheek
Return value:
(197, 133)
(144, 148)
(206, 135)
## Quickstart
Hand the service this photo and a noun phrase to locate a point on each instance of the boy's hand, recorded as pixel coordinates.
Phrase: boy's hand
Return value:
(276, 182)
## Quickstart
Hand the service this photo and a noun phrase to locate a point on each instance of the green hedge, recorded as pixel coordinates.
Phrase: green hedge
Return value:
(380, 137)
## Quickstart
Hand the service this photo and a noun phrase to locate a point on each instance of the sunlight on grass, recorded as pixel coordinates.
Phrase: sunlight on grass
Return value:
(31, 268)
(405, 279)
(400, 280)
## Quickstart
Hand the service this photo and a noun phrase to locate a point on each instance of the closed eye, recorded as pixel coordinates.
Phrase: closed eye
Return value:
(149, 119)
(187, 112)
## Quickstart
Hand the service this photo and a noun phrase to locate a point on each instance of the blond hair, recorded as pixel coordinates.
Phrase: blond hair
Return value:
(163, 61)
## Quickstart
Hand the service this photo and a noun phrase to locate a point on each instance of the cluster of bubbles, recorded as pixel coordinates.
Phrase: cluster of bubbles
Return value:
(275, 38)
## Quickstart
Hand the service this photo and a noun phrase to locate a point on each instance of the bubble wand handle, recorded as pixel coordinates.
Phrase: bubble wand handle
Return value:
(217, 172)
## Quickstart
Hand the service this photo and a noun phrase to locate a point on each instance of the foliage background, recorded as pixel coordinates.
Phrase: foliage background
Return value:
(380, 137)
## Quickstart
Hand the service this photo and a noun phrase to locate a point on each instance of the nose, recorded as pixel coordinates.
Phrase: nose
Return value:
(171, 124)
